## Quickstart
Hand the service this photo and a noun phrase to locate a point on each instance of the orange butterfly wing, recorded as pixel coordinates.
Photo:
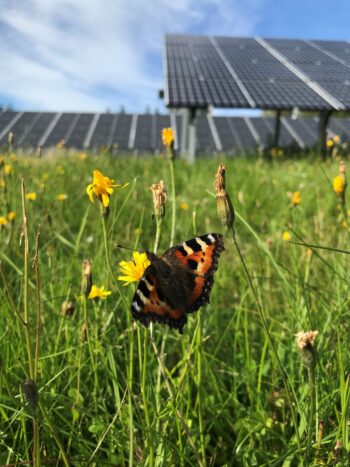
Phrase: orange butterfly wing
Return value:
(199, 255)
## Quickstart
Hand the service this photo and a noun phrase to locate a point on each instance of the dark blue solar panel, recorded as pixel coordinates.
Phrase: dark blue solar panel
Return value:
(61, 130)
(205, 141)
(143, 137)
(304, 134)
(5, 120)
(121, 134)
(161, 121)
(228, 137)
(341, 127)
(32, 138)
(23, 125)
(104, 130)
(79, 131)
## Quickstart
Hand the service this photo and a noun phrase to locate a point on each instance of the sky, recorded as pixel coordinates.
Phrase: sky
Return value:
(98, 55)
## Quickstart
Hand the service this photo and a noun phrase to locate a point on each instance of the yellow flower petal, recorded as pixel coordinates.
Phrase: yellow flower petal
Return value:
(133, 270)
(98, 293)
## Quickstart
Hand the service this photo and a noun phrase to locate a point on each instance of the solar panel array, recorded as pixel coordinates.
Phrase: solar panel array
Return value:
(142, 133)
(256, 73)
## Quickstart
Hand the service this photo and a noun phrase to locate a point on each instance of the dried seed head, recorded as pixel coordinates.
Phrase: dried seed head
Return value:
(159, 197)
(10, 138)
(224, 206)
(306, 344)
(342, 167)
(30, 393)
(67, 308)
(87, 278)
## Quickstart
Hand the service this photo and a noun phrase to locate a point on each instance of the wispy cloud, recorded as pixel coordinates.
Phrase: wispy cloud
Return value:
(94, 54)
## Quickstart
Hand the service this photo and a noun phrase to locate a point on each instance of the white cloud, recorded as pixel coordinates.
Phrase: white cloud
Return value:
(93, 54)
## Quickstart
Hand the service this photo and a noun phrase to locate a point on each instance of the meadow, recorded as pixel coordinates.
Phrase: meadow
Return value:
(82, 384)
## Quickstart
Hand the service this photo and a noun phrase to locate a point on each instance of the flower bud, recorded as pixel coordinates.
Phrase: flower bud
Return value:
(306, 344)
(86, 283)
(224, 206)
(30, 393)
(159, 198)
(67, 308)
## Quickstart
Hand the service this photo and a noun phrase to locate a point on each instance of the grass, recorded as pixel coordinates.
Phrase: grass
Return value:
(108, 393)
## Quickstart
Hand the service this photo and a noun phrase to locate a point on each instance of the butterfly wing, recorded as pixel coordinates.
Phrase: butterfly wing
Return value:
(150, 304)
(200, 255)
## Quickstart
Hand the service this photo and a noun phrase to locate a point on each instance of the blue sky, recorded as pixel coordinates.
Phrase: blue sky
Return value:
(93, 55)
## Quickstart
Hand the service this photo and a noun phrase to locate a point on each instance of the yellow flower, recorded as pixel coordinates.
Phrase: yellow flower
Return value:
(296, 198)
(338, 184)
(336, 139)
(102, 187)
(184, 206)
(2, 183)
(98, 293)
(60, 144)
(8, 169)
(3, 220)
(168, 137)
(330, 143)
(31, 196)
(11, 216)
(286, 236)
(82, 156)
(62, 197)
(134, 269)
(345, 225)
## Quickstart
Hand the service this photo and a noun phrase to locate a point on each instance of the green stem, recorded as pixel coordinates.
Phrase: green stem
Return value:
(173, 201)
(284, 376)
(177, 411)
(54, 434)
(131, 415)
(199, 386)
(131, 348)
(312, 380)
(105, 242)
(145, 402)
(25, 285)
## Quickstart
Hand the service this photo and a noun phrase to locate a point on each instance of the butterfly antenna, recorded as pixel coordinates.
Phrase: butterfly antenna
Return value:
(118, 245)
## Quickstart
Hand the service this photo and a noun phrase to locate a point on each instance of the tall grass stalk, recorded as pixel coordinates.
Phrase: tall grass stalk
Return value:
(283, 373)
(173, 200)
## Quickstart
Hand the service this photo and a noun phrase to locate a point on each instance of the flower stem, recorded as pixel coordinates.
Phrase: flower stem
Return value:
(131, 348)
(283, 373)
(173, 201)
(25, 285)
(312, 381)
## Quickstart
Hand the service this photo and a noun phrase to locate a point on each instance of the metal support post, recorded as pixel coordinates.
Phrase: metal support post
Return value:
(276, 135)
(192, 136)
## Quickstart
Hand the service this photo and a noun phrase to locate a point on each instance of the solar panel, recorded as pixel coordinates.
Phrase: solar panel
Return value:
(32, 137)
(121, 134)
(205, 141)
(341, 127)
(244, 72)
(79, 131)
(62, 129)
(104, 130)
(6, 119)
(227, 136)
(304, 134)
(161, 121)
(143, 136)
(23, 125)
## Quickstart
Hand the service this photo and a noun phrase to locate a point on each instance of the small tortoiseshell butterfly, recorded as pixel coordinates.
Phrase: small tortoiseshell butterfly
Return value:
(177, 283)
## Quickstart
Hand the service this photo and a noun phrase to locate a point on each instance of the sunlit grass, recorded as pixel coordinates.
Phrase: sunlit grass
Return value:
(103, 393)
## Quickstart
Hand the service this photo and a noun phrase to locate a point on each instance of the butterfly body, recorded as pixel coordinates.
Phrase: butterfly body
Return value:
(177, 283)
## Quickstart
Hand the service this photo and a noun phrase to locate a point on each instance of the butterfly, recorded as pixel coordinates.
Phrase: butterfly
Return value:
(177, 283)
